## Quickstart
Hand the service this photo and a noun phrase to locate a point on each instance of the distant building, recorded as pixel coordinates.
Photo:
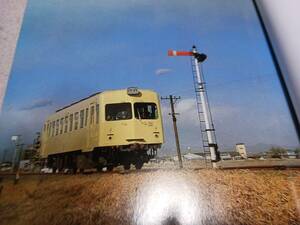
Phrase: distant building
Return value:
(241, 149)
(291, 154)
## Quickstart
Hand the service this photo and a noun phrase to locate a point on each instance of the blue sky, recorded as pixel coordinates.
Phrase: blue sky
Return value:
(70, 49)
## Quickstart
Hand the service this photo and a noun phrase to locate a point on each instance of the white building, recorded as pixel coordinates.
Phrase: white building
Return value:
(241, 149)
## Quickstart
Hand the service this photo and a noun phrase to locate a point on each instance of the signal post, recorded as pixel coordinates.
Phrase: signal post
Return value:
(206, 123)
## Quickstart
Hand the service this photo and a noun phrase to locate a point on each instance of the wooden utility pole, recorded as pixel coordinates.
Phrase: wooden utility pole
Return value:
(173, 114)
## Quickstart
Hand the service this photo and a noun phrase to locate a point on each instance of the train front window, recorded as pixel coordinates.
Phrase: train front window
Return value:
(119, 111)
(144, 110)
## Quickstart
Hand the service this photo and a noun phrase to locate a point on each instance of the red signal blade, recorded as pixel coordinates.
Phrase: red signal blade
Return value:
(179, 53)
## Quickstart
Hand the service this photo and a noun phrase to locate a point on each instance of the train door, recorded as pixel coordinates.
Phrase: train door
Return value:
(93, 125)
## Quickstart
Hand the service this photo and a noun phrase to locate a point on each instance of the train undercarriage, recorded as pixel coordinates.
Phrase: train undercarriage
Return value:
(101, 158)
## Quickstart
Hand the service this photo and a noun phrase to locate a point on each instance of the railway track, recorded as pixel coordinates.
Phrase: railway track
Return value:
(264, 167)
(122, 172)
(53, 174)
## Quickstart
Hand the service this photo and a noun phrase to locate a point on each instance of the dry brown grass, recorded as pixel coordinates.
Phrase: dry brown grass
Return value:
(227, 197)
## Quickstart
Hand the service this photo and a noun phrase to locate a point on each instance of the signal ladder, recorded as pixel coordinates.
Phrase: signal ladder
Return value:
(206, 124)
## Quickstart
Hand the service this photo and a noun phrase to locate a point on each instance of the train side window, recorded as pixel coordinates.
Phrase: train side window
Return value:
(81, 118)
(49, 130)
(71, 122)
(76, 121)
(57, 125)
(86, 116)
(61, 125)
(119, 111)
(92, 115)
(48, 127)
(53, 128)
(97, 113)
(66, 124)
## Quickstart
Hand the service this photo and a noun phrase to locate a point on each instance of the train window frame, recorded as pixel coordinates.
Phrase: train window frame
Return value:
(92, 114)
(76, 118)
(56, 127)
(66, 124)
(81, 118)
(61, 125)
(86, 116)
(97, 113)
(49, 131)
(47, 128)
(137, 115)
(114, 118)
(71, 123)
(53, 128)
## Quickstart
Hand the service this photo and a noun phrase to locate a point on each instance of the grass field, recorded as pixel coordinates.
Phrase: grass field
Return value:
(154, 196)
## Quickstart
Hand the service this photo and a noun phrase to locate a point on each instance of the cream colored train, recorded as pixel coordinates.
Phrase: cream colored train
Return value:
(107, 129)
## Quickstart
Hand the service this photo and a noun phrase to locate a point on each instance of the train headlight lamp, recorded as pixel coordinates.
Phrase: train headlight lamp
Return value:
(133, 91)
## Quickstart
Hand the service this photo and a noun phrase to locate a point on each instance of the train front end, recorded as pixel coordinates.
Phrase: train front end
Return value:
(132, 124)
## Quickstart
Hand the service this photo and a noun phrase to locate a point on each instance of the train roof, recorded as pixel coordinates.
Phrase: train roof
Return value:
(67, 106)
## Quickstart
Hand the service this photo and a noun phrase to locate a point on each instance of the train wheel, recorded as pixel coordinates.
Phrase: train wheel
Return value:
(60, 162)
(126, 166)
(74, 170)
(110, 167)
(99, 168)
(139, 164)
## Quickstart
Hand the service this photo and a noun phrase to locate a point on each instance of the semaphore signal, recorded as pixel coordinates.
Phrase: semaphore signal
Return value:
(209, 141)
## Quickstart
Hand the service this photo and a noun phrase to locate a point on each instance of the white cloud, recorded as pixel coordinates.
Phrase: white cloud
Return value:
(37, 104)
(162, 71)
(23, 122)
